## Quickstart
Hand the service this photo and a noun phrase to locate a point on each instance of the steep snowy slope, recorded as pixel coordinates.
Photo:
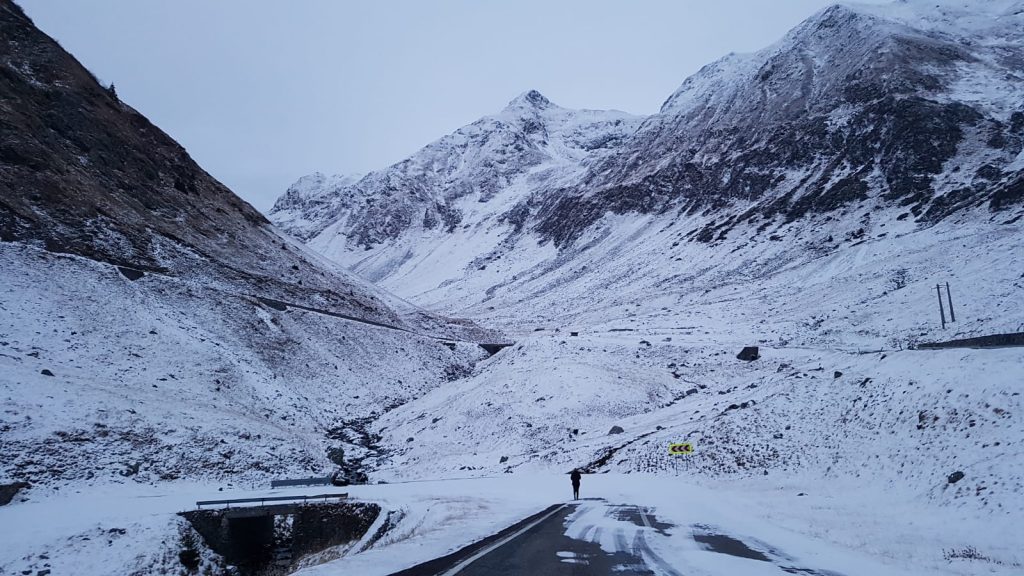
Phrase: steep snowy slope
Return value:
(664, 358)
(909, 112)
(83, 173)
(153, 326)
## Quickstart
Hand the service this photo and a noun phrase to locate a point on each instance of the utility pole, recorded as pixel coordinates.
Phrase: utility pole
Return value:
(942, 312)
(949, 298)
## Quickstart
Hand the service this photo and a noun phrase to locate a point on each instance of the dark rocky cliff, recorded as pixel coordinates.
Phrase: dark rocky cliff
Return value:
(82, 172)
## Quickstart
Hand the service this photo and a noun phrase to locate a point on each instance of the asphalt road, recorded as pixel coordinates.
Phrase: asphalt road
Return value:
(594, 538)
(546, 549)
(552, 544)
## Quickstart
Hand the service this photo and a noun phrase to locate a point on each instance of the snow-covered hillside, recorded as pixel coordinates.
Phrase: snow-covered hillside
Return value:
(157, 331)
(659, 360)
(909, 112)
(153, 326)
(806, 199)
(111, 380)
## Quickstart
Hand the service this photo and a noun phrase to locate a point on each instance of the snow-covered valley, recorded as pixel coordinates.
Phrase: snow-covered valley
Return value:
(163, 343)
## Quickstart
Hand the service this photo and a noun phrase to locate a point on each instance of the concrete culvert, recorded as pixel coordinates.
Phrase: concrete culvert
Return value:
(247, 538)
(130, 273)
(749, 353)
(9, 491)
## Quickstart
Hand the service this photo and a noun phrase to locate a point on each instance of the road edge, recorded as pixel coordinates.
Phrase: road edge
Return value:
(439, 565)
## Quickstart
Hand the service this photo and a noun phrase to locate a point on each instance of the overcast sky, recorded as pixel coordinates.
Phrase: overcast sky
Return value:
(262, 92)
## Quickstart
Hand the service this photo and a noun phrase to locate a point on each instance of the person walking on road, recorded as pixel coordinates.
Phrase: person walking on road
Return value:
(575, 477)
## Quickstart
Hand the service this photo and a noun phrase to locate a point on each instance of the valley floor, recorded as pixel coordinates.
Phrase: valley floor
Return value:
(837, 527)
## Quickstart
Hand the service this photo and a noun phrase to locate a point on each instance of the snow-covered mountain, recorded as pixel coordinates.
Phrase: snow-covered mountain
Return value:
(154, 326)
(474, 177)
(857, 106)
(911, 113)
(310, 198)
(806, 198)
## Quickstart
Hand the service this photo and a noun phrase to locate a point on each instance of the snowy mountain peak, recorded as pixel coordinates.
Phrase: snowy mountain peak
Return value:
(531, 142)
(913, 105)
(529, 99)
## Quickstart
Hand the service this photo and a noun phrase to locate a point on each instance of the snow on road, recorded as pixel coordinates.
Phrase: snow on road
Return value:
(835, 527)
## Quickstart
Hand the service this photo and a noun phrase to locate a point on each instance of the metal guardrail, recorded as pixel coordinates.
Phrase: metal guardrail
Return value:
(279, 305)
(263, 500)
(301, 482)
(990, 341)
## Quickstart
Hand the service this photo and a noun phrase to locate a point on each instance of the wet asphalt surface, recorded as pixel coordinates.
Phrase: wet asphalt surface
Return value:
(560, 542)
(545, 549)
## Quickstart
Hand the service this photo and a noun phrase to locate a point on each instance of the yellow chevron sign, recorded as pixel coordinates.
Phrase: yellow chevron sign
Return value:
(680, 449)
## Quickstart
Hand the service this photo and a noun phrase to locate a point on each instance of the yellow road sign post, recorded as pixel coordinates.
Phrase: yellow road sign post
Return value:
(680, 449)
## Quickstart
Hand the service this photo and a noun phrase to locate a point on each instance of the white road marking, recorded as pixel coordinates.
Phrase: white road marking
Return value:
(487, 550)
(566, 554)
(644, 517)
(649, 557)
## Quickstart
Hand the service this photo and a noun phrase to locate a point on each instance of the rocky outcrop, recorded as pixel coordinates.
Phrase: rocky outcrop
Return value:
(748, 354)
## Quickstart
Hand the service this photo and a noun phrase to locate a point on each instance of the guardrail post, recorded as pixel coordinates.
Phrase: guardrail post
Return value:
(942, 311)
(949, 298)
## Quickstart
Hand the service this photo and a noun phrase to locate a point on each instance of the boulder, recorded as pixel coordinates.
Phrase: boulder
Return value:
(616, 430)
(336, 455)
